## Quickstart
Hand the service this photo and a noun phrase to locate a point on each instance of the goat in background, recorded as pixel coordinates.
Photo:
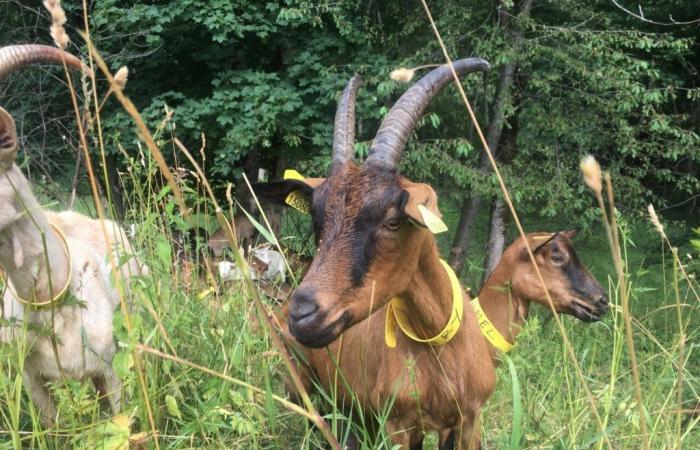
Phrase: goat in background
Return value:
(48, 256)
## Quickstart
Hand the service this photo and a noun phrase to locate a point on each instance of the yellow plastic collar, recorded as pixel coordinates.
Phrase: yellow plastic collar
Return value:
(397, 312)
(58, 297)
(488, 330)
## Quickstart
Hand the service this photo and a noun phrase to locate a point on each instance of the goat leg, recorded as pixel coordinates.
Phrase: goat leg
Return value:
(447, 440)
(467, 436)
(109, 386)
(41, 396)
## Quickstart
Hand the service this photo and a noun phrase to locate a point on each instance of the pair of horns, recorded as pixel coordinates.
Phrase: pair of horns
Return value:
(394, 131)
(13, 58)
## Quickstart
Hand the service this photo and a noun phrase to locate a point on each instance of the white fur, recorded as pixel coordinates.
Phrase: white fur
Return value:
(85, 342)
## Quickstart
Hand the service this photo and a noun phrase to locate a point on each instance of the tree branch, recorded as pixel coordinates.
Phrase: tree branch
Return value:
(641, 17)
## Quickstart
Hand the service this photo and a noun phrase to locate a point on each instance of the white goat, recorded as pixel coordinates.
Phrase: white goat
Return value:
(49, 256)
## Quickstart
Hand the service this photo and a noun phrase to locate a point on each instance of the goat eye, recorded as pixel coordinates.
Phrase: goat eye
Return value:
(394, 224)
(558, 259)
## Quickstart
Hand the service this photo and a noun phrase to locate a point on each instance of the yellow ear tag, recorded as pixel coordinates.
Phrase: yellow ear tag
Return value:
(296, 199)
(431, 221)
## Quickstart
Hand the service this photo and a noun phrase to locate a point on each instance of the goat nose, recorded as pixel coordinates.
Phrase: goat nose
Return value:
(602, 303)
(302, 304)
(602, 300)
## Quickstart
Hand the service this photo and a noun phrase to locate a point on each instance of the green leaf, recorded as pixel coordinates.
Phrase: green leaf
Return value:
(172, 407)
(516, 435)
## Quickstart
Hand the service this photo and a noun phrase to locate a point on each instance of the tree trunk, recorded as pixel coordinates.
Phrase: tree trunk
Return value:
(471, 207)
(497, 238)
(117, 206)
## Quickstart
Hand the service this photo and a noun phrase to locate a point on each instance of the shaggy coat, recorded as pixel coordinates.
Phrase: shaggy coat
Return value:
(82, 327)
(433, 386)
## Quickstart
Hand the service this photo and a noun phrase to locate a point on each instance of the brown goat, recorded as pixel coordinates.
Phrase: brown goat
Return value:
(245, 234)
(371, 374)
(373, 244)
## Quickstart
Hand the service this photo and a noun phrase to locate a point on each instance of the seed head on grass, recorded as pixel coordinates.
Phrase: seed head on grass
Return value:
(58, 19)
(121, 77)
(591, 174)
(655, 221)
(402, 74)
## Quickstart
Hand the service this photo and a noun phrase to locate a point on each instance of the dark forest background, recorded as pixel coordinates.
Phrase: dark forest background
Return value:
(260, 81)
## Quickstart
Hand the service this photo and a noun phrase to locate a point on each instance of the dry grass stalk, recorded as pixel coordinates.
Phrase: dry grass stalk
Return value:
(263, 315)
(592, 174)
(656, 222)
(592, 177)
(404, 74)
(509, 202)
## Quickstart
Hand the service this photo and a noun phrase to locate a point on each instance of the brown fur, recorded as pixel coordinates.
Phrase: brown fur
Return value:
(443, 388)
(429, 383)
(245, 234)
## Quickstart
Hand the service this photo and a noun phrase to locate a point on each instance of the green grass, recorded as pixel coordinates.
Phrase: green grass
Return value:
(219, 391)
(193, 409)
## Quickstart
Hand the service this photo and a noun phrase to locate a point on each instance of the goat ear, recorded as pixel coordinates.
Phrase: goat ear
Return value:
(422, 206)
(291, 192)
(8, 140)
(537, 244)
(570, 234)
(17, 251)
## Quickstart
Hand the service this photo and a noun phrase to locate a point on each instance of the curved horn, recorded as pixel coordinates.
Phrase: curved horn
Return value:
(391, 138)
(8, 140)
(14, 57)
(344, 130)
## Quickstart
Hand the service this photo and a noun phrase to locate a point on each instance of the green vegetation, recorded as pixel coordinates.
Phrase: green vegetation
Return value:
(260, 81)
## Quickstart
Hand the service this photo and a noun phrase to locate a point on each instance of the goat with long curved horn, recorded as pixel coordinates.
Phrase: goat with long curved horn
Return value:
(371, 224)
(48, 256)
(377, 261)
(344, 130)
(15, 57)
(391, 138)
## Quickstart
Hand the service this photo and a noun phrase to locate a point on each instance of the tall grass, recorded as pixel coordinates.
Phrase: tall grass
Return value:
(200, 372)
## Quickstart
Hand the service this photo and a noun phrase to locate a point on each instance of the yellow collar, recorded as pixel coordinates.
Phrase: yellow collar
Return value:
(488, 330)
(58, 297)
(397, 312)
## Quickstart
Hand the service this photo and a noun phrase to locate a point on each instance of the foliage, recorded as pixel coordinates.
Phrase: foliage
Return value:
(260, 81)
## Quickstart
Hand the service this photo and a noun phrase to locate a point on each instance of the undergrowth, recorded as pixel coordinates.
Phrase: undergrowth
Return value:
(214, 378)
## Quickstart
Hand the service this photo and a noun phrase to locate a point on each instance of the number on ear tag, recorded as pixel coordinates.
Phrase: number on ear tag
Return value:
(296, 199)
(431, 221)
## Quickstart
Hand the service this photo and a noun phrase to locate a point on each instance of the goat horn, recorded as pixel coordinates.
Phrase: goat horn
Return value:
(391, 138)
(14, 57)
(8, 140)
(344, 130)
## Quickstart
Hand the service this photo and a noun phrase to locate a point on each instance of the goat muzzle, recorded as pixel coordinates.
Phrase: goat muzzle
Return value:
(8, 140)
(311, 325)
(590, 311)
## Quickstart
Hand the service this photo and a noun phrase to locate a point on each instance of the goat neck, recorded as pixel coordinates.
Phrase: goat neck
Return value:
(503, 306)
(429, 294)
(22, 250)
